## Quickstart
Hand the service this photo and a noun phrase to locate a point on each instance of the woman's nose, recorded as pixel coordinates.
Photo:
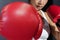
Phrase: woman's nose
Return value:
(39, 2)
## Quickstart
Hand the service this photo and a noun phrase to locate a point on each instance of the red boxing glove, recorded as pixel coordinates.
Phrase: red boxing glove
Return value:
(21, 22)
(54, 13)
(0, 22)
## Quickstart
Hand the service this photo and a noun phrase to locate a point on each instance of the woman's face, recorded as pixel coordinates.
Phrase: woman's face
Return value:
(39, 4)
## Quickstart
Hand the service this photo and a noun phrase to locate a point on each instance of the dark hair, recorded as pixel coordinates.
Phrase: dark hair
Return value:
(50, 2)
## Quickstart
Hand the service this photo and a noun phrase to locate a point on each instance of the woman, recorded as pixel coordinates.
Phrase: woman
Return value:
(43, 5)
(39, 4)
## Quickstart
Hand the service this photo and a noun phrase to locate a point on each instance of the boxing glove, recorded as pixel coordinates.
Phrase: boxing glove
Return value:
(21, 22)
(54, 13)
(0, 22)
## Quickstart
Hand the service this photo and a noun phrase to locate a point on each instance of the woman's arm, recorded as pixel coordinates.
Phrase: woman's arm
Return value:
(52, 24)
(55, 31)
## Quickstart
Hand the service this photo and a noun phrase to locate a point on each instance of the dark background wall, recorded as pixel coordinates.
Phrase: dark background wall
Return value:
(57, 2)
(4, 2)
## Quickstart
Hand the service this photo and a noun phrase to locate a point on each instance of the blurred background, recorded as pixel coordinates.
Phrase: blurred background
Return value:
(4, 2)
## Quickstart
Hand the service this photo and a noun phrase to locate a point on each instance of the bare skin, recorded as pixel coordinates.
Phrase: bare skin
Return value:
(39, 4)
